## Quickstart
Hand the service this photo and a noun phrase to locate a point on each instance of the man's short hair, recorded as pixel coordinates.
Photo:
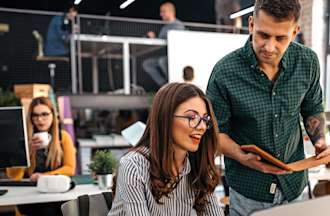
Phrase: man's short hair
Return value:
(170, 5)
(188, 73)
(71, 7)
(279, 9)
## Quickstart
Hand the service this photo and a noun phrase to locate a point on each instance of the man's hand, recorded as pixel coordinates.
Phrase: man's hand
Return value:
(151, 34)
(254, 162)
(321, 149)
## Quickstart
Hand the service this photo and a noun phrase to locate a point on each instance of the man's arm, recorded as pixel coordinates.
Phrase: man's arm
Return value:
(231, 149)
(315, 128)
(217, 93)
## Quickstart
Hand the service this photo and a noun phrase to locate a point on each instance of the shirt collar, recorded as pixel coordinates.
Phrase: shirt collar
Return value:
(186, 169)
(248, 53)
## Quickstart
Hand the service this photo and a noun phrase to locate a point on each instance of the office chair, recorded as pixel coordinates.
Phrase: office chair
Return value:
(50, 59)
(85, 205)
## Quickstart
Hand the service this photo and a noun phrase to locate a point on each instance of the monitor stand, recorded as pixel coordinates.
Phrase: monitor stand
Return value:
(2, 192)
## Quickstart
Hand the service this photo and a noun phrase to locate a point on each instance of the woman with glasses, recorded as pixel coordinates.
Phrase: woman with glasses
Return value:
(57, 157)
(171, 171)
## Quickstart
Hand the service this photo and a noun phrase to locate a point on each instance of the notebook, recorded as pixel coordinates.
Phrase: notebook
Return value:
(295, 166)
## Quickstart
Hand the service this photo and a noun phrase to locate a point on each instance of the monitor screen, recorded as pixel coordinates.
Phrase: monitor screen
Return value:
(14, 151)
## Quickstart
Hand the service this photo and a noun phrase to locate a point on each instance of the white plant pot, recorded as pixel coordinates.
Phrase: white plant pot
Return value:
(104, 181)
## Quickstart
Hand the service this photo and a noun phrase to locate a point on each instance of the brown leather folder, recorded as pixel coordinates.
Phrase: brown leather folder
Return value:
(295, 166)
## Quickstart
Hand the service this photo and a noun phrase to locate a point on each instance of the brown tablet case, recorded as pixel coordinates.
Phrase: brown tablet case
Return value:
(295, 166)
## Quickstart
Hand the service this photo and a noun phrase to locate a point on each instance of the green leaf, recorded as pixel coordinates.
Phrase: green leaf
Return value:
(103, 162)
(8, 98)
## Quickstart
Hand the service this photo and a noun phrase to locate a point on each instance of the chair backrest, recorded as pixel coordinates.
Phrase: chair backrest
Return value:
(322, 188)
(40, 43)
(40, 49)
(85, 205)
(318, 206)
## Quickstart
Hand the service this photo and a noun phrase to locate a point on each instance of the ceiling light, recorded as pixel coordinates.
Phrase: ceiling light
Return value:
(126, 3)
(242, 12)
(76, 2)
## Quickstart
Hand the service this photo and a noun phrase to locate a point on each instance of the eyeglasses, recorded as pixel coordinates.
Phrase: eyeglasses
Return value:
(195, 120)
(42, 115)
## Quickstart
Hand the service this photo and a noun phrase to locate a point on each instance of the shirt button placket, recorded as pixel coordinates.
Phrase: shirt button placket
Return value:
(275, 116)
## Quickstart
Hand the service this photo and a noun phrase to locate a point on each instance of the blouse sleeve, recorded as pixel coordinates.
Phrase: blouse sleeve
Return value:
(213, 206)
(131, 188)
(69, 157)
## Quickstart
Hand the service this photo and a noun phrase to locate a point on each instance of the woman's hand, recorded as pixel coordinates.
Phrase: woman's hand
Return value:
(35, 176)
(36, 143)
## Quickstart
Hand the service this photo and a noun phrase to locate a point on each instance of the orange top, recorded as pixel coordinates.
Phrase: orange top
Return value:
(69, 161)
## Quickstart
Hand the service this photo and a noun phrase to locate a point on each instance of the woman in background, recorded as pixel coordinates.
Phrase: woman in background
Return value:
(58, 157)
(171, 171)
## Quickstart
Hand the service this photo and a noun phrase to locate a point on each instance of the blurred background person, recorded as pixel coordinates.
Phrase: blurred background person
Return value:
(59, 30)
(157, 67)
(58, 157)
(188, 74)
(223, 10)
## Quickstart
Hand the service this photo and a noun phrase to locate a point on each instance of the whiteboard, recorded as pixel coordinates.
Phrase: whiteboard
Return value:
(201, 50)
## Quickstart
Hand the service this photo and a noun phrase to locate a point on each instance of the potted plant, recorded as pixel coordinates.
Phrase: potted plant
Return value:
(8, 98)
(103, 165)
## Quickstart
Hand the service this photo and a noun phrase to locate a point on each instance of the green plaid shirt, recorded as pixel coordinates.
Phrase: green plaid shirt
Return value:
(251, 109)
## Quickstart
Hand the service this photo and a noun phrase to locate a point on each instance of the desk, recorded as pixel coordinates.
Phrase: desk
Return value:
(96, 46)
(28, 195)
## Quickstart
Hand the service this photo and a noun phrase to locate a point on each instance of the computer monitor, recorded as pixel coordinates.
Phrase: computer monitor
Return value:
(14, 150)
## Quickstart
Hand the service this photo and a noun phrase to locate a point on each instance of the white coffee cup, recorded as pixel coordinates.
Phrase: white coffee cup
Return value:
(45, 137)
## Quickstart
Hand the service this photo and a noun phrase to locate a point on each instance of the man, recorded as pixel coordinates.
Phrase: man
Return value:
(157, 67)
(258, 92)
(59, 30)
(223, 10)
(188, 74)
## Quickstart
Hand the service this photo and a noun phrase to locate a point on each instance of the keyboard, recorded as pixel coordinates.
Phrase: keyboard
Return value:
(23, 182)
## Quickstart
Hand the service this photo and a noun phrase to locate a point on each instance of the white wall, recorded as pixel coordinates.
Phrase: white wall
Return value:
(201, 50)
(319, 35)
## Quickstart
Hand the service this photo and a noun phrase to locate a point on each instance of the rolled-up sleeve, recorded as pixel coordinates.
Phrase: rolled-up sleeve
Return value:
(312, 102)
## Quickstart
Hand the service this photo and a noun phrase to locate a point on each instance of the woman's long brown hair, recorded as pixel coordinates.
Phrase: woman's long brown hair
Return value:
(158, 138)
(55, 152)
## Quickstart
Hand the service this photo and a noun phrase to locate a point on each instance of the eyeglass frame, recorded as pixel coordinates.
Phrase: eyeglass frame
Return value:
(208, 122)
(42, 115)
